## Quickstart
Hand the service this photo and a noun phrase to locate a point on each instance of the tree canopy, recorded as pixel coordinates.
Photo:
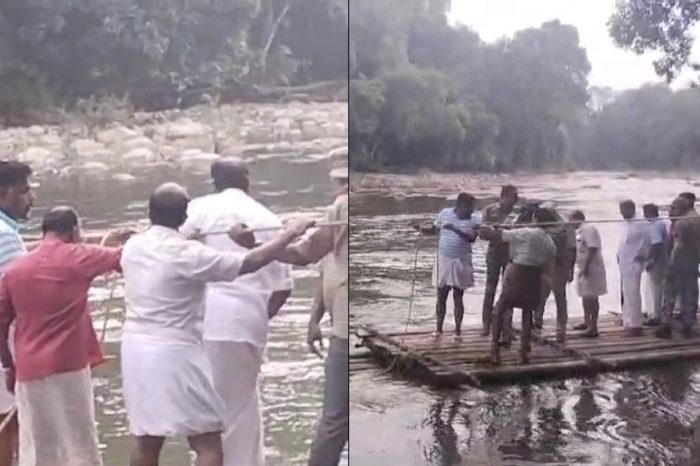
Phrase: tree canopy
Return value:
(428, 94)
(80, 48)
(657, 25)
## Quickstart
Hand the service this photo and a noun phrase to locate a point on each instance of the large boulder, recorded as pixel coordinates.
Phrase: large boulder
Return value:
(116, 135)
(138, 155)
(89, 149)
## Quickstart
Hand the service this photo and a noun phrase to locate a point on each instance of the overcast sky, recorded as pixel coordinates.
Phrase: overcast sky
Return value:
(611, 66)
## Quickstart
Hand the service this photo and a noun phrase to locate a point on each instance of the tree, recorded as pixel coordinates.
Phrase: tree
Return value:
(657, 25)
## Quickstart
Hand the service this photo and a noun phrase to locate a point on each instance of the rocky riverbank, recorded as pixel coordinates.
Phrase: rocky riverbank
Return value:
(197, 136)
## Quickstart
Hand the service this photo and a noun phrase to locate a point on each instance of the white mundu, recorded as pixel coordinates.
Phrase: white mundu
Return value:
(168, 386)
(236, 320)
(631, 255)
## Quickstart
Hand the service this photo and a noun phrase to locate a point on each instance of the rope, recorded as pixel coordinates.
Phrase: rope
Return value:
(112, 288)
(275, 228)
(413, 288)
(566, 223)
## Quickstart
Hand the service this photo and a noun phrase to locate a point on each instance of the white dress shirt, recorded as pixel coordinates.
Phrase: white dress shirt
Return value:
(237, 311)
(635, 243)
(165, 277)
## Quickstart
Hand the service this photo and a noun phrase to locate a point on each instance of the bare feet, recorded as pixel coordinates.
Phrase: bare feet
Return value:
(495, 354)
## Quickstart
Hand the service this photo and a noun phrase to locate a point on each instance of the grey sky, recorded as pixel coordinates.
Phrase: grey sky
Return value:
(611, 66)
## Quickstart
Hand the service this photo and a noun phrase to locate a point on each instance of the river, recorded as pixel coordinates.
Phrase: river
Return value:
(626, 418)
(292, 378)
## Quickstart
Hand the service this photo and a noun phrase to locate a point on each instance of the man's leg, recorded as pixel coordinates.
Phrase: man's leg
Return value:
(441, 306)
(146, 451)
(208, 449)
(538, 315)
(591, 307)
(236, 368)
(525, 336)
(670, 298)
(493, 274)
(559, 290)
(8, 439)
(80, 438)
(689, 299)
(332, 430)
(458, 298)
(507, 317)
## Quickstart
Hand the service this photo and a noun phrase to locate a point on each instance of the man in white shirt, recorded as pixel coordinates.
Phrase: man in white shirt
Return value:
(632, 255)
(167, 380)
(238, 312)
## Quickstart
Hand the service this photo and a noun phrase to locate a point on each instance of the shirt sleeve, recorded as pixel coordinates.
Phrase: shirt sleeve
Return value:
(319, 243)
(439, 219)
(513, 236)
(93, 261)
(10, 248)
(200, 262)
(591, 236)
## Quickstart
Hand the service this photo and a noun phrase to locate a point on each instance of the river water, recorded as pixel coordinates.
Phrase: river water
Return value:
(292, 378)
(628, 418)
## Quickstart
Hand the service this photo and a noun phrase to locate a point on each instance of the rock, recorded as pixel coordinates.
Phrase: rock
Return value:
(310, 130)
(200, 158)
(36, 130)
(87, 148)
(139, 155)
(295, 135)
(35, 156)
(186, 128)
(123, 177)
(94, 167)
(190, 153)
(52, 140)
(257, 135)
(139, 142)
(116, 135)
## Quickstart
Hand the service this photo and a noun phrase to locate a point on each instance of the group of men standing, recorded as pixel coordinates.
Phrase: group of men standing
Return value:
(198, 305)
(535, 252)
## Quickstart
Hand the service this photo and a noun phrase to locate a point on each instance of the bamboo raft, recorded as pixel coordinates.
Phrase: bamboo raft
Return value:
(452, 360)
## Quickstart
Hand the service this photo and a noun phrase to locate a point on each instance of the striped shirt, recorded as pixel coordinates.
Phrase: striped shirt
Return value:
(11, 244)
(452, 245)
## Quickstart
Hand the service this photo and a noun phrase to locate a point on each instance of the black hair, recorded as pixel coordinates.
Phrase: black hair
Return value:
(544, 216)
(578, 215)
(651, 210)
(230, 173)
(13, 173)
(628, 203)
(465, 199)
(60, 220)
(508, 189)
(689, 196)
(168, 207)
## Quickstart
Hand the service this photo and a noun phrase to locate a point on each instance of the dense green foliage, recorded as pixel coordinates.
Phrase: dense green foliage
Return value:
(657, 25)
(427, 94)
(647, 128)
(78, 48)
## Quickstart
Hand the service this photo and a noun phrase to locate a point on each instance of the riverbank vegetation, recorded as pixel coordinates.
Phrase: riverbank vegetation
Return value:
(159, 54)
(428, 94)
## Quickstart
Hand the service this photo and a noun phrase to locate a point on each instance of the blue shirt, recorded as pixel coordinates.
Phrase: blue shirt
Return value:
(451, 244)
(11, 244)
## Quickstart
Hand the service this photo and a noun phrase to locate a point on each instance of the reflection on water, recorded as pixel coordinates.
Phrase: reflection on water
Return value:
(292, 378)
(631, 418)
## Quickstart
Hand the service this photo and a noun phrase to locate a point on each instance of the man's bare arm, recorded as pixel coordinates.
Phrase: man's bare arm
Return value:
(7, 315)
(276, 302)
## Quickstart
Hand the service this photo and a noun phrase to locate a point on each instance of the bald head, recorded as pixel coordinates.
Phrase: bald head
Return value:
(167, 206)
(61, 221)
(229, 173)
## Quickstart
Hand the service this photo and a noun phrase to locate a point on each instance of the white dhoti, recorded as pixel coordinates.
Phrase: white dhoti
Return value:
(631, 276)
(236, 367)
(57, 421)
(456, 273)
(653, 293)
(168, 388)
